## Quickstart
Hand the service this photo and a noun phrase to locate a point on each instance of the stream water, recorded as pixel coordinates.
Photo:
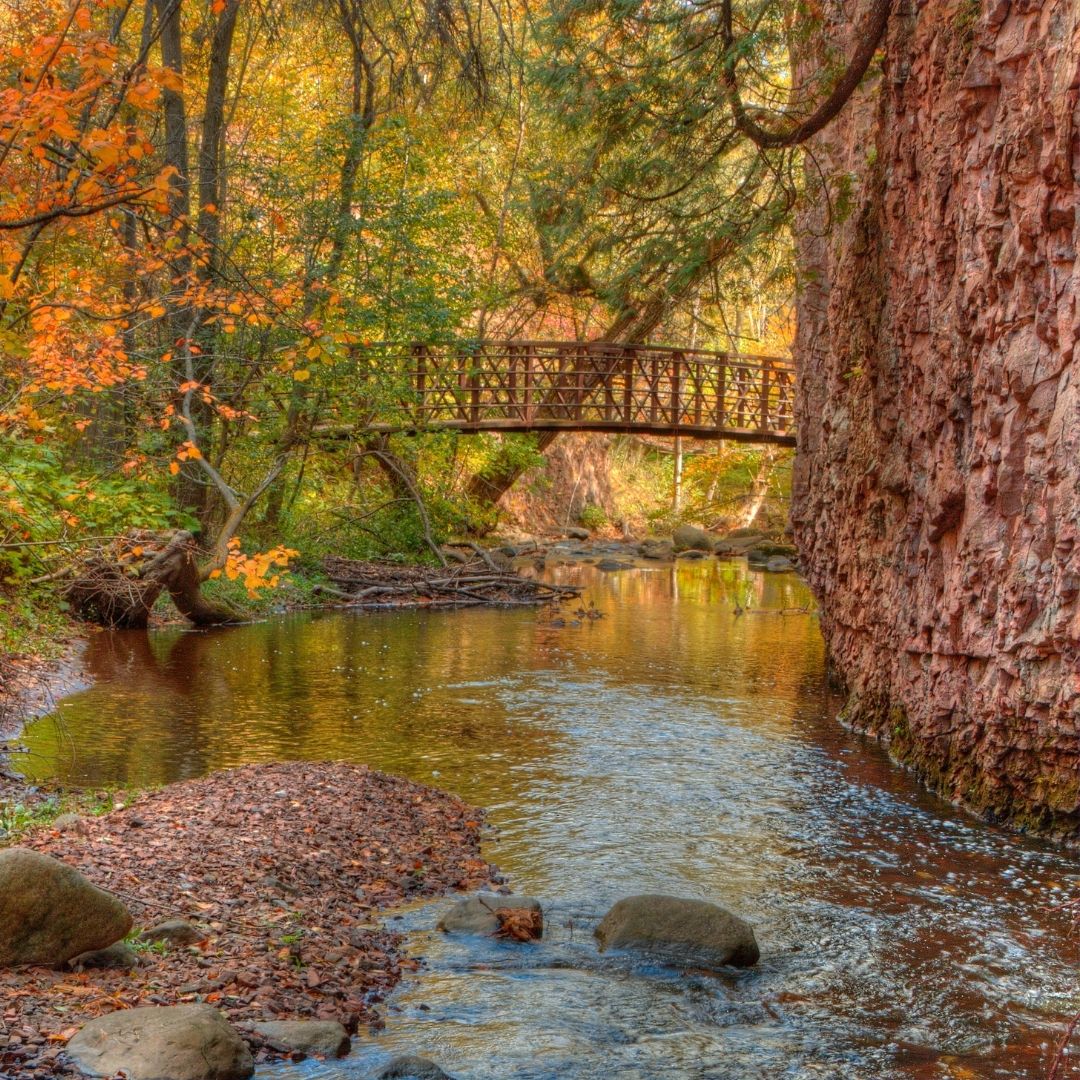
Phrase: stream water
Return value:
(670, 746)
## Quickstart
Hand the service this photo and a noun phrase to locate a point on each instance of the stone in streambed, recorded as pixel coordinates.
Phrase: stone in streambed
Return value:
(760, 554)
(327, 1038)
(178, 1042)
(175, 932)
(691, 538)
(610, 565)
(655, 549)
(479, 914)
(50, 913)
(410, 1067)
(779, 564)
(690, 933)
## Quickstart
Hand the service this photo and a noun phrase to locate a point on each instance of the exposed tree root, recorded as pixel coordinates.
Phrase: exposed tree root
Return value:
(116, 586)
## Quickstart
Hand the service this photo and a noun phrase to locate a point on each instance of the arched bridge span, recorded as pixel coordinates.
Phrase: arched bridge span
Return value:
(579, 386)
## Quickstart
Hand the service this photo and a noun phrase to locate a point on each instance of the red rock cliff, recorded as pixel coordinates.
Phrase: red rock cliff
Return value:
(937, 494)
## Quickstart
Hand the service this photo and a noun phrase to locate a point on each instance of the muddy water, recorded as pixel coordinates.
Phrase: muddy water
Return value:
(670, 746)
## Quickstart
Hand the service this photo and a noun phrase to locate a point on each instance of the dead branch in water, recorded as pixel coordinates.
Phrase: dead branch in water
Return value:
(369, 584)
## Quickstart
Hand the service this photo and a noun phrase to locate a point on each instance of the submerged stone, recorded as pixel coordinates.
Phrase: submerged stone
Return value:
(480, 914)
(679, 931)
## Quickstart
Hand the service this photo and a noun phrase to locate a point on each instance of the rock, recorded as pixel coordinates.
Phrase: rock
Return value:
(691, 538)
(744, 534)
(409, 1067)
(175, 932)
(326, 1038)
(50, 913)
(655, 549)
(179, 1042)
(613, 564)
(119, 956)
(762, 553)
(477, 915)
(575, 533)
(685, 932)
(693, 554)
(779, 564)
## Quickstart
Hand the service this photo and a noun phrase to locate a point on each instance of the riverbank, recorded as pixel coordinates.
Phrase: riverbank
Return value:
(30, 685)
(281, 869)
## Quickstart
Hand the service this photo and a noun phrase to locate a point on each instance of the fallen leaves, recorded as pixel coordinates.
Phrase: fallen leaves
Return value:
(280, 865)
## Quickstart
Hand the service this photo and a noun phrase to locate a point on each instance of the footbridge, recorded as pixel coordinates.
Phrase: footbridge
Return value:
(533, 386)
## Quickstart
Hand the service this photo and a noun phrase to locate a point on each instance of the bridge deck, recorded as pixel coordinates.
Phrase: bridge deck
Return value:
(581, 386)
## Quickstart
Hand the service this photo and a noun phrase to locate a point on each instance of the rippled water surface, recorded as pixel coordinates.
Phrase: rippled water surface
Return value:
(671, 746)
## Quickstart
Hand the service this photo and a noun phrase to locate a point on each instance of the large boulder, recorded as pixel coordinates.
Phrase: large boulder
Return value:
(685, 932)
(50, 913)
(492, 913)
(327, 1038)
(178, 1042)
(691, 538)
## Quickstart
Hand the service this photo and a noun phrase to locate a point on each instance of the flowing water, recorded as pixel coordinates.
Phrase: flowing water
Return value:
(670, 746)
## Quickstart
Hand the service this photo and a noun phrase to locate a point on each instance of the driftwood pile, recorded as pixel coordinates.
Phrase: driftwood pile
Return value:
(370, 584)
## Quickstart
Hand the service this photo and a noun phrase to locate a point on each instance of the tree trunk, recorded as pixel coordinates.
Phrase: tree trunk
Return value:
(117, 588)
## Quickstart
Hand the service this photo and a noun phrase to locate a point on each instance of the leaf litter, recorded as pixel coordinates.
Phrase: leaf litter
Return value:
(284, 867)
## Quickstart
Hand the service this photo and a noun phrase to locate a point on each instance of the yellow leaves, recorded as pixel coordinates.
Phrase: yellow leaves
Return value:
(256, 570)
(174, 468)
(188, 452)
(168, 79)
(145, 94)
(302, 375)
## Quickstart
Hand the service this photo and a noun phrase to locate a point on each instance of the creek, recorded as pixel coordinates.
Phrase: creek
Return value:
(672, 745)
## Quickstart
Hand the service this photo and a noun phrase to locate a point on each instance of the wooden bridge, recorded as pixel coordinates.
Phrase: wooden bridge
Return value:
(579, 386)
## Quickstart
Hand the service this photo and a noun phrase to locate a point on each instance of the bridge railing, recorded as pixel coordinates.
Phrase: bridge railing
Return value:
(583, 386)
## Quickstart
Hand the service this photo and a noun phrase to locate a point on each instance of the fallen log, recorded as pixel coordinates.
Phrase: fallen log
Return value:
(370, 584)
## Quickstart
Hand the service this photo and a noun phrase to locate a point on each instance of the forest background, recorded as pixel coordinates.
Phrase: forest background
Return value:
(208, 208)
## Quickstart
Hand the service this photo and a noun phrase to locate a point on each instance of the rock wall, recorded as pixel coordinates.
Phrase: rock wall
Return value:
(937, 486)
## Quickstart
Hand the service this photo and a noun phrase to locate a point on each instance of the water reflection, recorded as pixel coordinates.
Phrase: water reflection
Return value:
(671, 746)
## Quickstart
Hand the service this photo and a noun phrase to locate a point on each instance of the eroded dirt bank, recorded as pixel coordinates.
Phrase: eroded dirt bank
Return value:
(282, 869)
(937, 490)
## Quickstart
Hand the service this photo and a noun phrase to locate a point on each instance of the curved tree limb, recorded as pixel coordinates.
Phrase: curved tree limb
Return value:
(867, 41)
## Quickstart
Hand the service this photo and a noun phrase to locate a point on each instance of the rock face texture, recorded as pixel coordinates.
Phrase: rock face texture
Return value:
(937, 489)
